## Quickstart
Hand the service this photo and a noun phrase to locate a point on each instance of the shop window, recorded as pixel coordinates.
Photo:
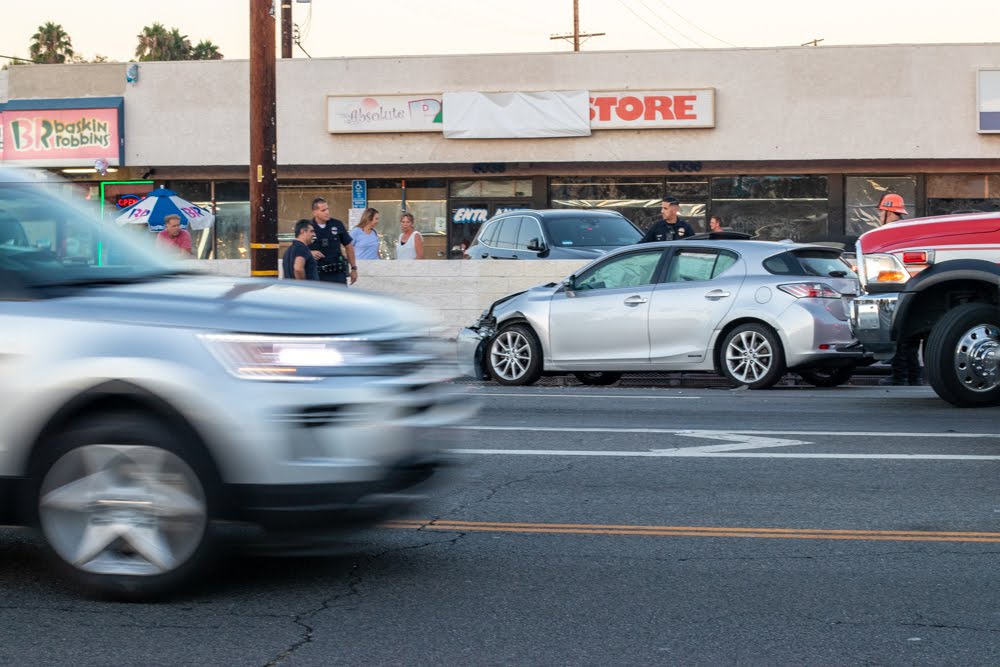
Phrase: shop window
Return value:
(491, 187)
(962, 193)
(638, 198)
(773, 207)
(232, 219)
(862, 195)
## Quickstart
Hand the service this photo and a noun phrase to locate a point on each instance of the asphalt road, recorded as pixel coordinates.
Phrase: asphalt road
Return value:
(604, 526)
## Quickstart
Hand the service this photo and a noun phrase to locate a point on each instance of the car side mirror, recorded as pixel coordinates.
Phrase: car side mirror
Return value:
(536, 245)
(569, 282)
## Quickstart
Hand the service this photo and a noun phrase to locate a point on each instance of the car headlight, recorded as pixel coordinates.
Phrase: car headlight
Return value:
(882, 268)
(295, 359)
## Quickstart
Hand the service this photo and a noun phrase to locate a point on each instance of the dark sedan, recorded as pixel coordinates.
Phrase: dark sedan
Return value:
(553, 234)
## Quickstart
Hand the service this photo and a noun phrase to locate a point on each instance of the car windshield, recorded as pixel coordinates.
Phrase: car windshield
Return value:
(609, 231)
(810, 263)
(48, 239)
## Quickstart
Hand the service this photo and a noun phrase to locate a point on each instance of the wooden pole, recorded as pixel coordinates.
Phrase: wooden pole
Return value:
(263, 142)
(286, 28)
(576, 25)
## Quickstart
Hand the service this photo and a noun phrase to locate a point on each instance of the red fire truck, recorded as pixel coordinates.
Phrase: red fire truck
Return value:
(937, 279)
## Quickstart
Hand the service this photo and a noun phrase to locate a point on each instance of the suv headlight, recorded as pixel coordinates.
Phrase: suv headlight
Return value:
(295, 359)
(882, 269)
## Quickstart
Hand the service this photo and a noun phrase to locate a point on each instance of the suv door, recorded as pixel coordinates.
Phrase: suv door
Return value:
(699, 288)
(529, 231)
(601, 323)
(504, 244)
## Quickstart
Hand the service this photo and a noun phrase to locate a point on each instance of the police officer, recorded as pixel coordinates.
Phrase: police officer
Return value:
(331, 234)
(906, 362)
(671, 227)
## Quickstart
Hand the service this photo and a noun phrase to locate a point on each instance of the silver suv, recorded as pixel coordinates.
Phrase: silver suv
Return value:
(142, 404)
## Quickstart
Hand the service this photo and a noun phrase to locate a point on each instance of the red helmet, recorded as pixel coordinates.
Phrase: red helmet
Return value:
(894, 203)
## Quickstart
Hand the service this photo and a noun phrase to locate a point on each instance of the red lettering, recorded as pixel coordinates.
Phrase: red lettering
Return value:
(603, 105)
(657, 105)
(683, 108)
(629, 108)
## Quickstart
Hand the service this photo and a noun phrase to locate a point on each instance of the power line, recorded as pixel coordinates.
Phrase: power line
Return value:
(669, 25)
(653, 27)
(678, 14)
(23, 60)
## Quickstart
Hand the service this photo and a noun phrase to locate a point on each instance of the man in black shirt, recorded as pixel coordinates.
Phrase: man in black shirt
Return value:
(331, 234)
(670, 228)
(298, 262)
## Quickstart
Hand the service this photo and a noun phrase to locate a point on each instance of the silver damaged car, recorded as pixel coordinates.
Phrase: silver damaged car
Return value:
(749, 310)
(144, 406)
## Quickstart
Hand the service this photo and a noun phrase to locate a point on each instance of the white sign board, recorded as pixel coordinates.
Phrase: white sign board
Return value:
(643, 109)
(988, 104)
(552, 113)
(384, 113)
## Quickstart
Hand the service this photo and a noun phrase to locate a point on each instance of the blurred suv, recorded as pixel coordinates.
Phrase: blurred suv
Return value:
(143, 405)
(553, 234)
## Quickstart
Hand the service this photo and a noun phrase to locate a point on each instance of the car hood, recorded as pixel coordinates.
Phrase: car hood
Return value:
(240, 305)
(565, 252)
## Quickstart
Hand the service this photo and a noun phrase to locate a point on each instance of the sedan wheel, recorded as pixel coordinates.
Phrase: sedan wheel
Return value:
(125, 517)
(515, 357)
(752, 356)
(598, 378)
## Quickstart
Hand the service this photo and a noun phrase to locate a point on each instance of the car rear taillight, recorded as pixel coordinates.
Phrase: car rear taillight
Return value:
(810, 291)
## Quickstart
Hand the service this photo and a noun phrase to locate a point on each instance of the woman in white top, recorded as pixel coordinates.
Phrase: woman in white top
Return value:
(410, 244)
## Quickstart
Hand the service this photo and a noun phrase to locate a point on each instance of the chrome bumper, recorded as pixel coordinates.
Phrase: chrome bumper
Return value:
(871, 323)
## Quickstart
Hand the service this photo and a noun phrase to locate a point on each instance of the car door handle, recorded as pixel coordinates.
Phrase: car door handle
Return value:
(635, 300)
(485, 255)
(716, 294)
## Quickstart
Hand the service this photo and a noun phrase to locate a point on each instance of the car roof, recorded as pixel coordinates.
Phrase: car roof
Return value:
(758, 250)
(555, 213)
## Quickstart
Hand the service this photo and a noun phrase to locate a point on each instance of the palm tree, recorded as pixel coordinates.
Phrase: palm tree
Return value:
(50, 44)
(180, 46)
(206, 50)
(154, 42)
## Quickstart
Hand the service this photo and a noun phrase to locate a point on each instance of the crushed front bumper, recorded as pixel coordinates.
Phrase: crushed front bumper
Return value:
(871, 323)
(472, 343)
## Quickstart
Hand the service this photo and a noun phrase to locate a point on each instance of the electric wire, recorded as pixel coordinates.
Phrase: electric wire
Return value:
(704, 32)
(651, 26)
(670, 25)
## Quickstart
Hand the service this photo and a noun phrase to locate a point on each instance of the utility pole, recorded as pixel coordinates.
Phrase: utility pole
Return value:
(286, 28)
(576, 29)
(263, 142)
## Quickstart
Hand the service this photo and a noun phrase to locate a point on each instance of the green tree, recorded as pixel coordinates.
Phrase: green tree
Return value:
(206, 50)
(50, 44)
(154, 43)
(180, 46)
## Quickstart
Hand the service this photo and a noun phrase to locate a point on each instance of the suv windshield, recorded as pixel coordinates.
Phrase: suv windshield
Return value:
(46, 239)
(610, 231)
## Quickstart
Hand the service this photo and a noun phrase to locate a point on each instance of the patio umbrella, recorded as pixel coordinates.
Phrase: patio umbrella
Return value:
(160, 203)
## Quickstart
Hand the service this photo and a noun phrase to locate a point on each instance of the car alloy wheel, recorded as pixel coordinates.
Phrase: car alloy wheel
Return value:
(752, 357)
(515, 356)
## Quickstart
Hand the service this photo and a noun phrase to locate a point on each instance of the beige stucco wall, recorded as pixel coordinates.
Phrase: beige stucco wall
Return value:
(809, 103)
(77, 80)
(455, 292)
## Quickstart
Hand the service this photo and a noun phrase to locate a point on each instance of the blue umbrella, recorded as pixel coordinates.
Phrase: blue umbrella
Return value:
(160, 203)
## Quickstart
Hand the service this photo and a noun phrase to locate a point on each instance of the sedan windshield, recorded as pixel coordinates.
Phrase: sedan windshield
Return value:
(47, 239)
(610, 231)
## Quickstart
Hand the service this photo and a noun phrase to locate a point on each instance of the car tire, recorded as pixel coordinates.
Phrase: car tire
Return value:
(515, 356)
(962, 353)
(123, 503)
(752, 356)
(598, 378)
(828, 377)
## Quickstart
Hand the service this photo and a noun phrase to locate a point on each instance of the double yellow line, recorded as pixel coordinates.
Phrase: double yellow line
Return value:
(693, 531)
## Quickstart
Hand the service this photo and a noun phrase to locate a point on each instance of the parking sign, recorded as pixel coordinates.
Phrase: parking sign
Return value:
(359, 193)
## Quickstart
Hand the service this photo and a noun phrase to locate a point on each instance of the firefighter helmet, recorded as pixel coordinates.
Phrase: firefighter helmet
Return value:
(894, 203)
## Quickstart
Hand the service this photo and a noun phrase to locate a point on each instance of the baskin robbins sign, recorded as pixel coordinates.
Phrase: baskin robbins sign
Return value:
(384, 113)
(71, 132)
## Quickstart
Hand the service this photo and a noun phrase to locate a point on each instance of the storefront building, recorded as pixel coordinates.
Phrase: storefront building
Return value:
(793, 143)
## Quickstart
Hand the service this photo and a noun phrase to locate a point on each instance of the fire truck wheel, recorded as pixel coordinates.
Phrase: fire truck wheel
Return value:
(962, 357)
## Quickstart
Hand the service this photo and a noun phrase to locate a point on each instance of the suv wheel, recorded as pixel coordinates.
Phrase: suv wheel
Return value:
(515, 357)
(124, 506)
(827, 377)
(752, 356)
(962, 356)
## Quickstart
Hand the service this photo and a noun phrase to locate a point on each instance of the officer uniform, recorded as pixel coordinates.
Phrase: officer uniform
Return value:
(333, 267)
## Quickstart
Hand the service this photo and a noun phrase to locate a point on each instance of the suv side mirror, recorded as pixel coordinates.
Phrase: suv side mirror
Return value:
(536, 245)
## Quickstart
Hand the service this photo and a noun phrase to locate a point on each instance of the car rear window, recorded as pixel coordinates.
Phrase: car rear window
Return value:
(811, 262)
(610, 231)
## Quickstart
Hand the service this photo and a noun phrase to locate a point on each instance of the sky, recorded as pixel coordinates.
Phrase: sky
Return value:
(338, 28)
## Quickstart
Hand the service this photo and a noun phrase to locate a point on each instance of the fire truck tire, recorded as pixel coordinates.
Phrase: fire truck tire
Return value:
(962, 357)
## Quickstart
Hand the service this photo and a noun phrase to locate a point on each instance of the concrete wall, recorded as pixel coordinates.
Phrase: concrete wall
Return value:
(77, 80)
(806, 103)
(457, 292)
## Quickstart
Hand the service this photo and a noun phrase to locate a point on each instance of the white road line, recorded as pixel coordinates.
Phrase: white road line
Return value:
(695, 452)
(736, 442)
(710, 432)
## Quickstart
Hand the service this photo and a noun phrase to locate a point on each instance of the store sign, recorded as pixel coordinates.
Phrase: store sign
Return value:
(639, 109)
(62, 137)
(988, 103)
(470, 215)
(124, 201)
(516, 115)
(384, 113)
